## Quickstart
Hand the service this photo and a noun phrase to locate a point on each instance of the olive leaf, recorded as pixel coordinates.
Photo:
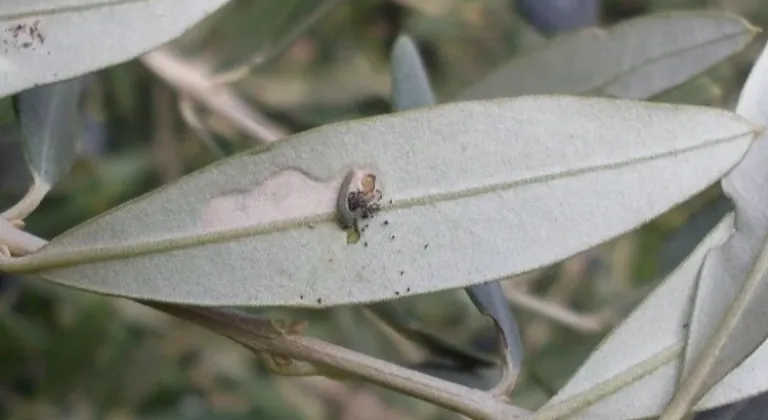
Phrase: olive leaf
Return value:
(484, 177)
(51, 125)
(411, 89)
(636, 59)
(273, 25)
(47, 41)
(633, 372)
(728, 318)
(554, 16)
(720, 280)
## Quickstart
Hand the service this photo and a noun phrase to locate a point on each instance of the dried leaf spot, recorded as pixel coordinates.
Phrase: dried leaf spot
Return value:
(289, 194)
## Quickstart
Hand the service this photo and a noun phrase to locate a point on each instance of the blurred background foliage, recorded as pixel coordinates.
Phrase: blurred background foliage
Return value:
(67, 354)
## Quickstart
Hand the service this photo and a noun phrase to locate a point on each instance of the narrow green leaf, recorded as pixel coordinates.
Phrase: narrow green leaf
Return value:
(411, 89)
(51, 121)
(47, 41)
(728, 319)
(635, 59)
(261, 229)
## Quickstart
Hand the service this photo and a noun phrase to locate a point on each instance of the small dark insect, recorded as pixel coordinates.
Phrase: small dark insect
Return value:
(319, 300)
(365, 244)
(426, 246)
(359, 198)
(385, 223)
(364, 203)
(402, 272)
(408, 289)
(301, 297)
(397, 293)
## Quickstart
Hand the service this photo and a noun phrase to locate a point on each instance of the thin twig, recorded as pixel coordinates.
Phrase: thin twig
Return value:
(190, 116)
(164, 142)
(29, 202)
(18, 241)
(590, 323)
(503, 389)
(258, 335)
(192, 79)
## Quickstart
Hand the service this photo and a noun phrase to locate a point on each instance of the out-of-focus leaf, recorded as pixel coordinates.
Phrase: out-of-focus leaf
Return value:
(483, 178)
(490, 300)
(437, 346)
(275, 26)
(683, 240)
(700, 91)
(554, 16)
(51, 125)
(47, 41)
(728, 318)
(750, 409)
(636, 59)
(51, 122)
(411, 89)
(95, 138)
(633, 373)
(14, 174)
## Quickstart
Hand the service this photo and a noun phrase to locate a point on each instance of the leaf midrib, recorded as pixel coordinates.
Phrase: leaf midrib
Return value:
(67, 9)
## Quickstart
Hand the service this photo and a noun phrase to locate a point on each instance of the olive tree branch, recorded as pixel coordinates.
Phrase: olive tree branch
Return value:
(260, 336)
